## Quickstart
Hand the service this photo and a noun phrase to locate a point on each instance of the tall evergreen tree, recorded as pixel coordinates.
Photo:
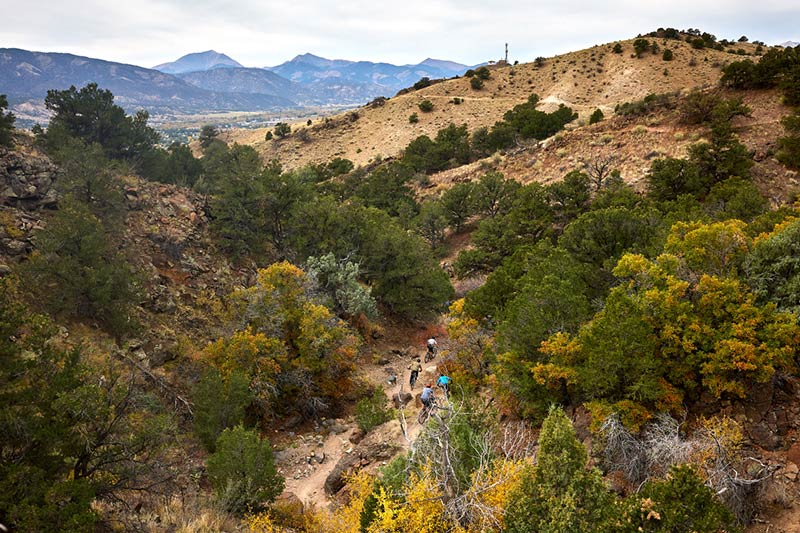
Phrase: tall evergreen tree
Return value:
(6, 122)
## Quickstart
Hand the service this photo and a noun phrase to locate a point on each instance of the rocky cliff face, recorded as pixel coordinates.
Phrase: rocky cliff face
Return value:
(166, 237)
(26, 179)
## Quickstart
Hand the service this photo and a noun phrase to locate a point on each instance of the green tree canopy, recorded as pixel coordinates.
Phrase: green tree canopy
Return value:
(559, 493)
(207, 134)
(89, 114)
(772, 268)
(6, 122)
(75, 271)
(71, 433)
(242, 471)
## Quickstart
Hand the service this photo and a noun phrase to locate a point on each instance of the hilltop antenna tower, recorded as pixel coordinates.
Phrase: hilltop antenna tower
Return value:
(506, 52)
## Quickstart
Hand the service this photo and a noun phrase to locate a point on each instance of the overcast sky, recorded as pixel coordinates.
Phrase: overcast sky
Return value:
(267, 32)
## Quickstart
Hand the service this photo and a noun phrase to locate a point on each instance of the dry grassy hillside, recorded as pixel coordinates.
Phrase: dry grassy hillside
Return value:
(630, 144)
(584, 80)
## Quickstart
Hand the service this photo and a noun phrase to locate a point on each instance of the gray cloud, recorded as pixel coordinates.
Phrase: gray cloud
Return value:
(258, 33)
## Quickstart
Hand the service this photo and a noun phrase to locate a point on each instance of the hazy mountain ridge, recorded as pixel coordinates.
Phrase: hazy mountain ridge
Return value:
(27, 76)
(208, 82)
(242, 80)
(198, 61)
(260, 81)
(309, 69)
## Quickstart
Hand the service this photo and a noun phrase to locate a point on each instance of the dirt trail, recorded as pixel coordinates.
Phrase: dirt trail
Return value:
(308, 455)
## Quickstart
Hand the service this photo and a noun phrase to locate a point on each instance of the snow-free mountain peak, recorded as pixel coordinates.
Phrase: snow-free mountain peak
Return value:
(198, 61)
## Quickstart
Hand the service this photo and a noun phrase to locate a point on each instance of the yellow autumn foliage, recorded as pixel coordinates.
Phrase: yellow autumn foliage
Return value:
(345, 519)
(469, 345)
(421, 512)
(490, 492)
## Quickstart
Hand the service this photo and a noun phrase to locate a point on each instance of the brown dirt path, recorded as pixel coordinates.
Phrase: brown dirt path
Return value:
(308, 455)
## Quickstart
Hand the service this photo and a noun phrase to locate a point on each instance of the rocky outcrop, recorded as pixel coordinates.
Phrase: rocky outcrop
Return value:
(16, 236)
(26, 180)
(401, 398)
(379, 445)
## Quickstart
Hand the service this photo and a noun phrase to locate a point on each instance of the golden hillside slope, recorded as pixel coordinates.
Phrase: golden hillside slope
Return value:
(631, 144)
(584, 80)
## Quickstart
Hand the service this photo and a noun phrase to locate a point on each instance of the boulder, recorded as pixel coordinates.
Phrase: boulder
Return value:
(357, 436)
(402, 398)
(337, 429)
(793, 454)
(292, 422)
(764, 436)
(287, 507)
(377, 446)
(26, 181)
(790, 471)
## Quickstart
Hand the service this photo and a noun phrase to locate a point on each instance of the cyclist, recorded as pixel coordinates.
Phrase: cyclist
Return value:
(415, 368)
(428, 403)
(444, 383)
(427, 396)
(431, 348)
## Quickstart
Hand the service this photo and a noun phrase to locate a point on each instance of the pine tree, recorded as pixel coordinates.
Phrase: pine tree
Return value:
(559, 493)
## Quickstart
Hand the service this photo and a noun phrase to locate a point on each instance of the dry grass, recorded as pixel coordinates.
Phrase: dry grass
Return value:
(585, 80)
(177, 516)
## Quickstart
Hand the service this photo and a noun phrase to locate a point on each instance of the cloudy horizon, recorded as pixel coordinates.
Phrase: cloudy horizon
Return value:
(150, 32)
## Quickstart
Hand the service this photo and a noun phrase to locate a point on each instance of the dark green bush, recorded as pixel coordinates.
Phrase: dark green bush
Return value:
(77, 272)
(559, 493)
(372, 411)
(426, 106)
(219, 404)
(207, 135)
(640, 46)
(681, 502)
(648, 104)
(670, 178)
(789, 146)
(242, 471)
(772, 269)
(6, 122)
(422, 83)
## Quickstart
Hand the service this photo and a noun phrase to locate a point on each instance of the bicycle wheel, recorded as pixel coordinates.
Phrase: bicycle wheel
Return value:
(423, 415)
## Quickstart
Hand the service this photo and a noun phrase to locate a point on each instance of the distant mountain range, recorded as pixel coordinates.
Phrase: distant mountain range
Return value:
(380, 79)
(25, 77)
(309, 79)
(788, 44)
(209, 60)
(242, 80)
(209, 81)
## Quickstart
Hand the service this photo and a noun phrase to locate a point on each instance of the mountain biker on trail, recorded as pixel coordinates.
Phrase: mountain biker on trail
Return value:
(427, 396)
(431, 348)
(444, 383)
(416, 368)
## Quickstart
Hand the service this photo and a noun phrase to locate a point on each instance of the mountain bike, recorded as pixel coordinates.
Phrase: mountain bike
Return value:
(426, 411)
(431, 353)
